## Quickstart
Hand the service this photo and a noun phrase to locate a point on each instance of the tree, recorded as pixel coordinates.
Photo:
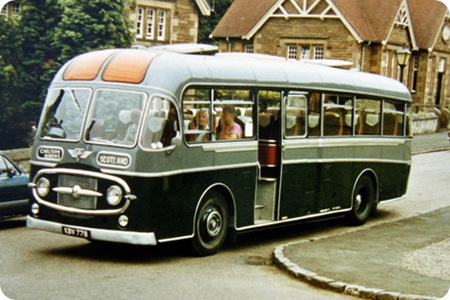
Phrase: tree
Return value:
(35, 44)
(207, 24)
(92, 24)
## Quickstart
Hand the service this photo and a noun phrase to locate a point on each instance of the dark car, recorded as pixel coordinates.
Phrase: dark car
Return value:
(14, 190)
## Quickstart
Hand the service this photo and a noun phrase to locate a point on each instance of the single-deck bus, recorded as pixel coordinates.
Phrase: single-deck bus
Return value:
(144, 147)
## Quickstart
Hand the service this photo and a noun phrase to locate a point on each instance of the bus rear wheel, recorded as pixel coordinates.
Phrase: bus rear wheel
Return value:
(363, 201)
(211, 225)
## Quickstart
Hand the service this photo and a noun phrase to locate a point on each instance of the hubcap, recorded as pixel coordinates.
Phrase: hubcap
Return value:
(358, 201)
(213, 223)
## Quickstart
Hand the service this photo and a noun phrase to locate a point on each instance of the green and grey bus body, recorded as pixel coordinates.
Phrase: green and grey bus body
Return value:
(156, 189)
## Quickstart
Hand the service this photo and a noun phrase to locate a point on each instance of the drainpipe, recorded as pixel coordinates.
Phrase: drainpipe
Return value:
(229, 44)
(363, 54)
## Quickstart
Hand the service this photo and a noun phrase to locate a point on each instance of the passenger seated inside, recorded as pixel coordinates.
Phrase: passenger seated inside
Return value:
(129, 118)
(229, 129)
(170, 130)
(200, 122)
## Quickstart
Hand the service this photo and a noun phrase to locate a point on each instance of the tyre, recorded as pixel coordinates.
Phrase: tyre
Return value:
(363, 201)
(211, 225)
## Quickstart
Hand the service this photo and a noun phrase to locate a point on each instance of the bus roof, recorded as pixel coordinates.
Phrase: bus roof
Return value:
(173, 71)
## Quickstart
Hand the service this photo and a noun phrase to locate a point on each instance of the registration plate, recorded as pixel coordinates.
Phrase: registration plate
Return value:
(82, 233)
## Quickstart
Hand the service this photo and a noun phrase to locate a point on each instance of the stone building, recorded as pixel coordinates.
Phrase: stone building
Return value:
(366, 33)
(160, 22)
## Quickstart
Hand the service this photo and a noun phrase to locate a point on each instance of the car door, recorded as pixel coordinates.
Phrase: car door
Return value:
(14, 191)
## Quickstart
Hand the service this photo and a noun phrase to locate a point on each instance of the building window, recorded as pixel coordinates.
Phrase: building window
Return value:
(139, 22)
(318, 52)
(248, 48)
(292, 52)
(150, 32)
(151, 24)
(10, 9)
(162, 25)
(305, 52)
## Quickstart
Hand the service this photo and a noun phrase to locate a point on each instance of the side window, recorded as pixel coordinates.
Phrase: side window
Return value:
(314, 112)
(393, 118)
(233, 111)
(269, 113)
(217, 114)
(295, 122)
(197, 120)
(337, 115)
(3, 168)
(368, 116)
(160, 124)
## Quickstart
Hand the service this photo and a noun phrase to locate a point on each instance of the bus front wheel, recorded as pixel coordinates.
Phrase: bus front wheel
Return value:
(363, 201)
(211, 224)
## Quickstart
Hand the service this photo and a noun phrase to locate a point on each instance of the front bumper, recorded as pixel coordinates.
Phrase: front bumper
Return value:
(117, 236)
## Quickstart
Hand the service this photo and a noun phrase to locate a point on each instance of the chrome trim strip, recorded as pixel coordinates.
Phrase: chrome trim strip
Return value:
(118, 236)
(68, 190)
(43, 164)
(272, 223)
(80, 193)
(393, 200)
(340, 160)
(180, 238)
(90, 212)
(236, 146)
(341, 142)
(181, 171)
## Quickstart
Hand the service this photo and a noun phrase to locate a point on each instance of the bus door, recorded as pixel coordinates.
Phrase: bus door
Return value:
(269, 155)
(300, 169)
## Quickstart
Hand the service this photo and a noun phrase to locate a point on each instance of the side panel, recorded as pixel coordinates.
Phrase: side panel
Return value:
(319, 174)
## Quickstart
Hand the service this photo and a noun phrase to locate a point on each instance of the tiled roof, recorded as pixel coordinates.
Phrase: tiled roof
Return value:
(371, 20)
(241, 17)
(427, 17)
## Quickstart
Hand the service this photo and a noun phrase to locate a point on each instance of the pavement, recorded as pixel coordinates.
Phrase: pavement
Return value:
(368, 261)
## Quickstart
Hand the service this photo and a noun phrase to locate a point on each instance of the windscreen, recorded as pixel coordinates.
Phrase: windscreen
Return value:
(65, 111)
(115, 117)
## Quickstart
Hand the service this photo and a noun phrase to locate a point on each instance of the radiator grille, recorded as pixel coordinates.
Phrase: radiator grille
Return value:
(81, 202)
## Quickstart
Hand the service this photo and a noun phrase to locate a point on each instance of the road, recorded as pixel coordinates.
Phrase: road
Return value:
(40, 265)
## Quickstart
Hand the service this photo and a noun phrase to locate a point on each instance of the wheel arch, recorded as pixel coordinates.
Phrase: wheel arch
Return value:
(373, 176)
(228, 196)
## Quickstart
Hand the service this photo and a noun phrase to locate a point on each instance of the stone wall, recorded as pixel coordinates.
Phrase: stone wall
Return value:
(425, 123)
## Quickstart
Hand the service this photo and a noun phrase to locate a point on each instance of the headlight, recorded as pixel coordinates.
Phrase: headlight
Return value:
(42, 187)
(114, 195)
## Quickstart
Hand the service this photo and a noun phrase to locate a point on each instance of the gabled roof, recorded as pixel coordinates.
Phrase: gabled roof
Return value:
(367, 20)
(427, 17)
(204, 7)
(241, 17)
(372, 20)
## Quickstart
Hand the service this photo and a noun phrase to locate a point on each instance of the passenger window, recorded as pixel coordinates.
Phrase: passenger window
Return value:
(160, 125)
(269, 115)
(197, 120)
(393, 118)
(233, 114)
(295, 115)
(314, 112)
(368, 116)
(338, 112)
(217, 114)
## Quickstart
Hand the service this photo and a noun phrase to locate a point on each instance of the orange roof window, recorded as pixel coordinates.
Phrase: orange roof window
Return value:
(128, 66)
(87, 66)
